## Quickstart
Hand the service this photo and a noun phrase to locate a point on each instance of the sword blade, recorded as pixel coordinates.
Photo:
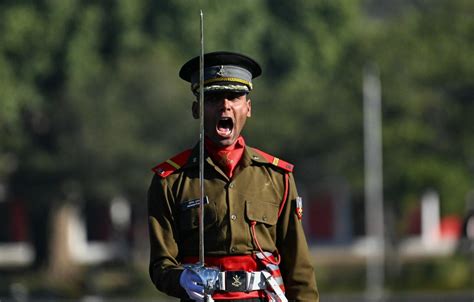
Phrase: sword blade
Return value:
(201, 143)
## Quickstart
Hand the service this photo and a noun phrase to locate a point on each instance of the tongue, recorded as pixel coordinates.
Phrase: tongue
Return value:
(224, 131)
(224, 127)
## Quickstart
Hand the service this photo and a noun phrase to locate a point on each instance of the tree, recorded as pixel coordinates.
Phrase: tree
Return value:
(426, 61)
(91, 99)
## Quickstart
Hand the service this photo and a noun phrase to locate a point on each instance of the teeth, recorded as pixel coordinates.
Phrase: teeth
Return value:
(225, 125)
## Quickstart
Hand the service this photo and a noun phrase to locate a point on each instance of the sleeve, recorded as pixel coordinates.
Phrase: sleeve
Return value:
(296, 265)
(164, 267)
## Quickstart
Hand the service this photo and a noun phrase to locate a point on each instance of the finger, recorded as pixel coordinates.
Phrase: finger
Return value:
(196, 296)
(195, 287)
(195, 278)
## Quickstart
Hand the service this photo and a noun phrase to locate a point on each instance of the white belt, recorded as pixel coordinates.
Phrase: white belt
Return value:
(277, 295)
(243, 281)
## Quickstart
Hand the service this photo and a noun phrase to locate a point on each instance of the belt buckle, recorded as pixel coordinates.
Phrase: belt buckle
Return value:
(236, 281)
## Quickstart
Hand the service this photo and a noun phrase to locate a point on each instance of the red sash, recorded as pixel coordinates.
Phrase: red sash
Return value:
(248, 263)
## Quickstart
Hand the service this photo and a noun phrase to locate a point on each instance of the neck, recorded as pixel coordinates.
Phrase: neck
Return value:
(226, 157)
(210, 145)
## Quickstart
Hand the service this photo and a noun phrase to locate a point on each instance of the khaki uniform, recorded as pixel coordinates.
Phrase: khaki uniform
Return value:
(255, 193)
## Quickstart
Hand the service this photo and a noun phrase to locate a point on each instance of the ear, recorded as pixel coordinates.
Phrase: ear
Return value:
(249, 106)
(195, 110)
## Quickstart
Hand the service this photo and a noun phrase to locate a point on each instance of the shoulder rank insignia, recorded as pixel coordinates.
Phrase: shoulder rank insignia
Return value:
(274, 160)
(169, 166)
(299, 207)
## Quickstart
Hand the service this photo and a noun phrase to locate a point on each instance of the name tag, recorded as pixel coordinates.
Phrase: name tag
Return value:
(193, 203)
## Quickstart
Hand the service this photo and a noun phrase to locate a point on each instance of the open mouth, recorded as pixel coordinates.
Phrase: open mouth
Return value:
(224, 126)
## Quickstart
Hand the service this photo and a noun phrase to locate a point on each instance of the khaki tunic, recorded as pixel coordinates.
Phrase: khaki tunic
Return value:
(254, 193)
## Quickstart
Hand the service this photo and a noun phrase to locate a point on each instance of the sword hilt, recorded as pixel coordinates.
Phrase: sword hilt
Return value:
(209, 276)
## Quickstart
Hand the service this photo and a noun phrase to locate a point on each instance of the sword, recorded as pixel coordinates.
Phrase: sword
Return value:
(201, 143)
(209, 275)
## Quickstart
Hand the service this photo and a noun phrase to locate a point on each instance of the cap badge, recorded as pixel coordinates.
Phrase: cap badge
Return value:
(221, 71)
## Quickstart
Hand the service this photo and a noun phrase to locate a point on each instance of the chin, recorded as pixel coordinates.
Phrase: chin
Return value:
(225, 142)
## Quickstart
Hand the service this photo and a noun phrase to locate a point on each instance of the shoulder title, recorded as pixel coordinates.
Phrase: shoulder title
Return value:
(170, 165)
(274, 160)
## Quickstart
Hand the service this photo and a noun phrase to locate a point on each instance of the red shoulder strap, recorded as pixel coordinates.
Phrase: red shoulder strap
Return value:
(275, 160)
(170, 165)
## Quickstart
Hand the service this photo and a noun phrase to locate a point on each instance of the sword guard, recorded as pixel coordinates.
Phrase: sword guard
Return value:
(209, 276)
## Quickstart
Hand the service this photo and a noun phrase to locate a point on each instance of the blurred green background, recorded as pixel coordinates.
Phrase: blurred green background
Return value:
(90, 101)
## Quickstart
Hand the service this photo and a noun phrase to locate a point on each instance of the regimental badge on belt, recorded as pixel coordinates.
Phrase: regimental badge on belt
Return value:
(299, 207)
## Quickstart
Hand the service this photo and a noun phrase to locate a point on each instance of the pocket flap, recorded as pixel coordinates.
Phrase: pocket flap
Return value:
(262, 211)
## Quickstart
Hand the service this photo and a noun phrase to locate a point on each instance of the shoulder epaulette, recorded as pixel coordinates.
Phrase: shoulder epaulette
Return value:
(169, 166)
(275, 160)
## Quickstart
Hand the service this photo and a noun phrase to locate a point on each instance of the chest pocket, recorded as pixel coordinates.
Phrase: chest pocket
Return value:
(189, 217)
(262, 212)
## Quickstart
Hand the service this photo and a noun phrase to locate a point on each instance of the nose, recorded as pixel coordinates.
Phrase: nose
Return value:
(225, 104)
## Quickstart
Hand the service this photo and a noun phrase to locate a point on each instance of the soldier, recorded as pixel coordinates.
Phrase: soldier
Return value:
(252, 222)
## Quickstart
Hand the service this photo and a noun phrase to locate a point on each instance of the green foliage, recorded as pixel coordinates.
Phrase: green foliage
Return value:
(431, 274)
(90, 98)
(437, 274)
(427, 71)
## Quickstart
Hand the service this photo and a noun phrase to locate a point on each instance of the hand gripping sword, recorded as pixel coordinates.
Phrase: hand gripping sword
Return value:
(208, 275)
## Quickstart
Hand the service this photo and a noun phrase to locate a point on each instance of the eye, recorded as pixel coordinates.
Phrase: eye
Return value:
(234, 96)
(211, 98)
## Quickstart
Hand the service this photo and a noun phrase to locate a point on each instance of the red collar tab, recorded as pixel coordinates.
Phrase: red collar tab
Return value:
(169, 166)
(273, 160)
(226, 157)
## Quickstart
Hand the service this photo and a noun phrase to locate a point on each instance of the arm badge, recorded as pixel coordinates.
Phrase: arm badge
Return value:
(299, 207)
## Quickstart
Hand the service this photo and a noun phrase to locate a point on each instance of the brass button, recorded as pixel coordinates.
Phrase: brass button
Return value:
(264, 218)
(233, 250)
(231, 185)
(233, 217)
